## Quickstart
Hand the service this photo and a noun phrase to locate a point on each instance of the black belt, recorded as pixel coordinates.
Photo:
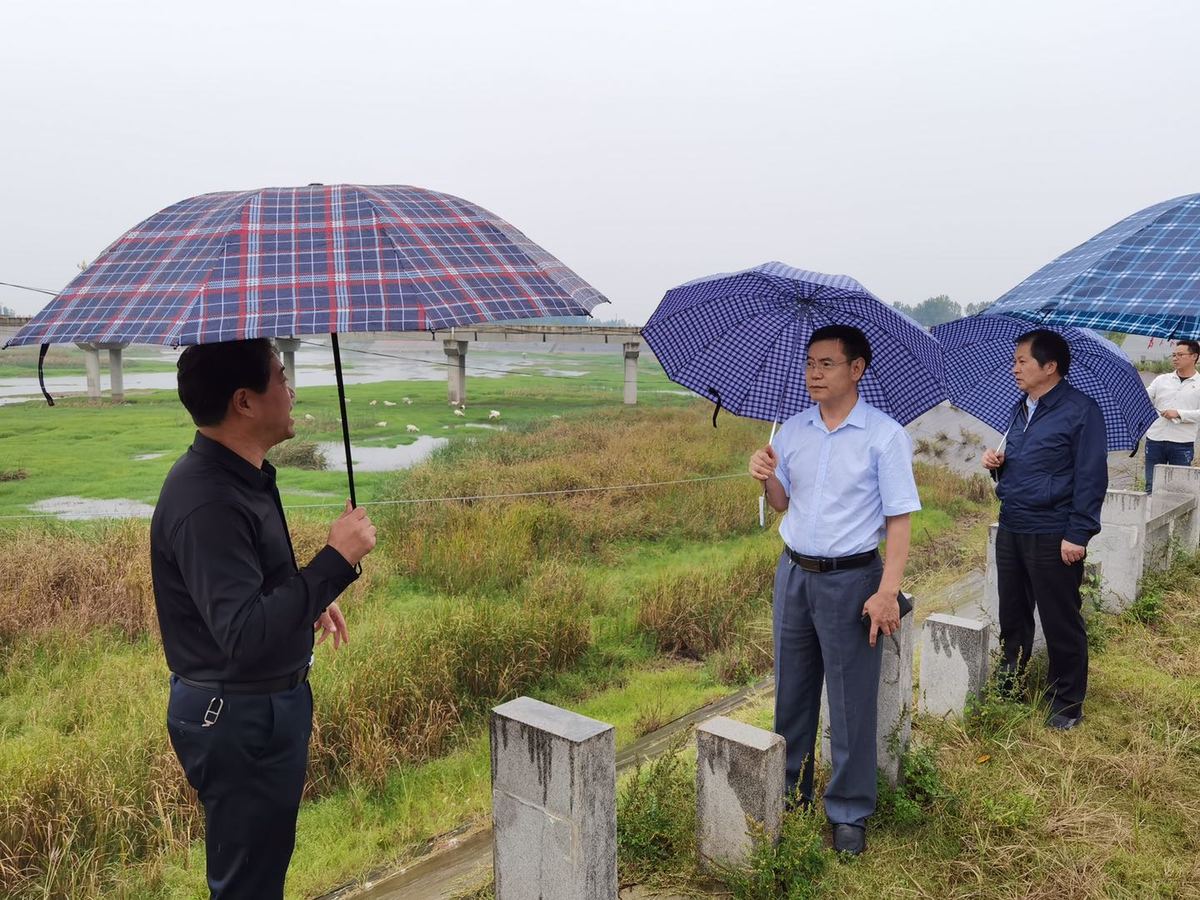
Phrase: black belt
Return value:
(269, 686)
(831, 563)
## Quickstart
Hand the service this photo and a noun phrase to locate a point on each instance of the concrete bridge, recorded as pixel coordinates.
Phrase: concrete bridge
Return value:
(455, 342)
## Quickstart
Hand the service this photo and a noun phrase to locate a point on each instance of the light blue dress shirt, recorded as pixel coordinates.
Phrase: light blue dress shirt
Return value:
(841, 484)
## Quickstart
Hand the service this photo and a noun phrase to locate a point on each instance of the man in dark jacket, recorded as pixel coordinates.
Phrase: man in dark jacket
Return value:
(237, 614)
(1053, 474)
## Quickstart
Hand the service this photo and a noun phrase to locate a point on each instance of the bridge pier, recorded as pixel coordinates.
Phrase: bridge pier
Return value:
(91, 366)
(116, 371)
(456, 371)
(632, 349)
(287, 347)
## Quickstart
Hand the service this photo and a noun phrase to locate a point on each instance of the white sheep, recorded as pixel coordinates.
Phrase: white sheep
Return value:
(310, 417)
(388, 403)
(372, 403)
(411, 429)
(494, 414)
(381, 424)
(459, 412)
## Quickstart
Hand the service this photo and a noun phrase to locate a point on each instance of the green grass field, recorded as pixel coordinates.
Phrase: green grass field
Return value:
(632, 606)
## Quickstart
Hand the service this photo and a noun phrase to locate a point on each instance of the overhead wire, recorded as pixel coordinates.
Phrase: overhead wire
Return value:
(462, 499)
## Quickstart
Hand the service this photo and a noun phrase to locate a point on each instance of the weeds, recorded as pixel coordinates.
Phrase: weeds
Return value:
(970, 438)
(298, 454)
(1147, 608)
(694, 613)
(749, 656)
(788, 870)
(1097, 622)
(656, 818)
(997, 714)
(13, 474)
(919, 788)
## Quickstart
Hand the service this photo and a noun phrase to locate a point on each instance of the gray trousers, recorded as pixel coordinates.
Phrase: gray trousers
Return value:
(819, 635)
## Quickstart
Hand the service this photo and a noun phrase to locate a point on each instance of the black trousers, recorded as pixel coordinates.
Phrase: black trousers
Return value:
(1030, 572)
(248, 768)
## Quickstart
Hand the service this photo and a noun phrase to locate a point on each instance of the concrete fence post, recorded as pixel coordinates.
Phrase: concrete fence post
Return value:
(739, 777)
(954, 663)
(553, 803)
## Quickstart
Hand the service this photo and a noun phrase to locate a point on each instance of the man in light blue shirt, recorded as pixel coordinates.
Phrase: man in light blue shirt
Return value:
(842, 473)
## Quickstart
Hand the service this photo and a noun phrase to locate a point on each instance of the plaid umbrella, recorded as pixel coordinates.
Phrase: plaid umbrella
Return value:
(321, 259)
(282, 262)
(979, 359)
(1141, 276)
(740, 339)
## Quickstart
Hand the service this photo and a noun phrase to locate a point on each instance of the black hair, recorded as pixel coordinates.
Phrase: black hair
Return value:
(210, 374)
(1193, 346)
(1046, 345)
(854, 343)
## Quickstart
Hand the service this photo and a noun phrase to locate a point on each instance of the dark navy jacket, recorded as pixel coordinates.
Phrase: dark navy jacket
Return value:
(1055, 472)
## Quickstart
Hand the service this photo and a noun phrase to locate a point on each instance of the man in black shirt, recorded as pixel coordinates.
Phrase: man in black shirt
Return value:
(237, 615)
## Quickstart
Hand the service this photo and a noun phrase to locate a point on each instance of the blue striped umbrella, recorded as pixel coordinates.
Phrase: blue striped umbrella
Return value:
(740, 339)
(979, 359)
(1141, 276)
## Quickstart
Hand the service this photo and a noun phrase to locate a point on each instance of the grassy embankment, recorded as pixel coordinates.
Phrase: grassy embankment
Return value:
(21, 362)
(630, 606)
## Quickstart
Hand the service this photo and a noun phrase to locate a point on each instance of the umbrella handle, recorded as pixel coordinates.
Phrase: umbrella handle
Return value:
(42, 374)
(337, 368)
(762, 501)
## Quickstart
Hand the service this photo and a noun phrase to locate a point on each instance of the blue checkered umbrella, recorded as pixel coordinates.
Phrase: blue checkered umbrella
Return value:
(979, 359)
(740, 340)
(1141, 276)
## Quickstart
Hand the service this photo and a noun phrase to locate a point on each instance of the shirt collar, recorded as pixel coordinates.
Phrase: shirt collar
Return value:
(1052, 396)
(220, 454)
(857, 417)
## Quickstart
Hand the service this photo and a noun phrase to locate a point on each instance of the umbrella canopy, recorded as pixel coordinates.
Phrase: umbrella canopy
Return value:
(979, 359)
(740, 339)
(1141, 276)
(321, 259)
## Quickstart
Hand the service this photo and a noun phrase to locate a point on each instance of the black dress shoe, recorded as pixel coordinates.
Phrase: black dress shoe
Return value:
(849, 839)
(1061, 722)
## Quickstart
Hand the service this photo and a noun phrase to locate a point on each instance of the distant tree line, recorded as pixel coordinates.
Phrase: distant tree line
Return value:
(939, 309)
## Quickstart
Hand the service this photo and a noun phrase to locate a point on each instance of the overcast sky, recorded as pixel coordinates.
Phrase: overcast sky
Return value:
(923, 147)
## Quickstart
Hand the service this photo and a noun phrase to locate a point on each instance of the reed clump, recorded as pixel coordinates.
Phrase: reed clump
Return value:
(55, 578)
(702, 610)
(408, 695)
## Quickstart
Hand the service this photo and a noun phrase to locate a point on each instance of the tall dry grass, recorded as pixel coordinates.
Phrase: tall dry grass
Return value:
(489, 545)
(698, 612)
(75, 811)
(408, 697)
(58, 579)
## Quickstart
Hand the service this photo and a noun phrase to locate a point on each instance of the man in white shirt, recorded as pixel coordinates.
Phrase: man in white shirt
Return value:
(1171, 440)
(842, 472)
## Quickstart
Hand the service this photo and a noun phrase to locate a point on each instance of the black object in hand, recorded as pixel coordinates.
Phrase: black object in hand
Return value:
(906, 606)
